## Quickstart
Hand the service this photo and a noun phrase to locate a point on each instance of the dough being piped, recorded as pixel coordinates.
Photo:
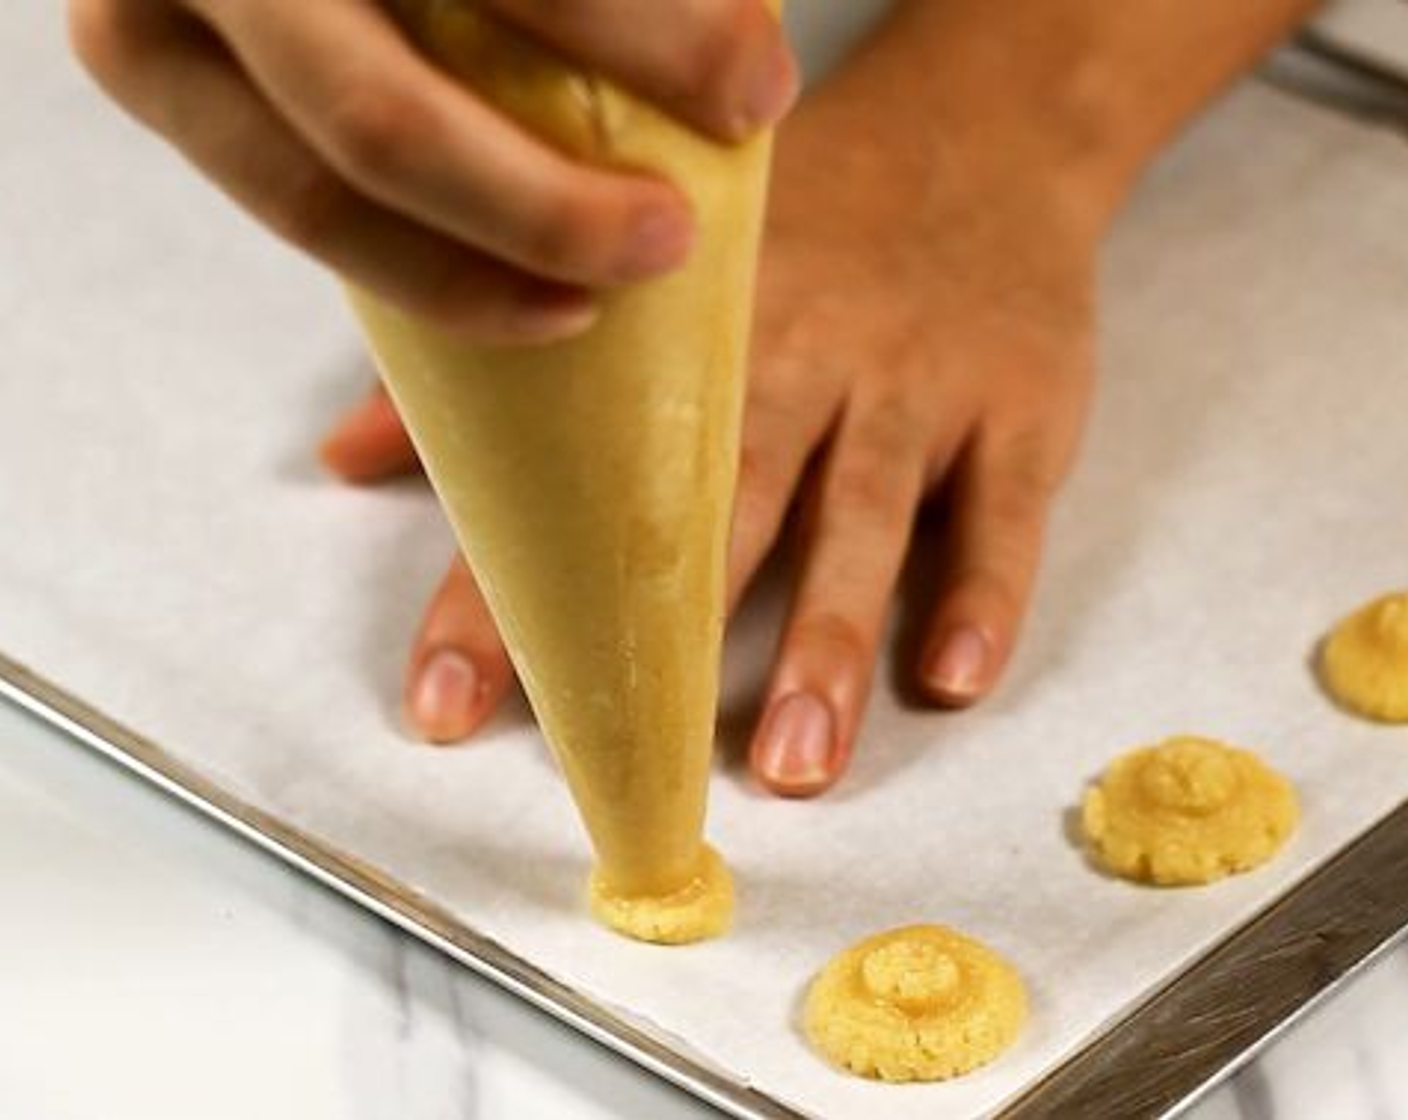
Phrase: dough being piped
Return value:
(1364, 663)
(919, 1003)
(590, 481)
(702, 907)
(1187, 811)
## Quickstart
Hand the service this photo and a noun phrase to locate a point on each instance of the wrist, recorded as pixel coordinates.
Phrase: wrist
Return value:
(971, 104)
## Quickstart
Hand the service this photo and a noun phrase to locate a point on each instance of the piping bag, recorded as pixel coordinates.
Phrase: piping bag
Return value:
(590, 481)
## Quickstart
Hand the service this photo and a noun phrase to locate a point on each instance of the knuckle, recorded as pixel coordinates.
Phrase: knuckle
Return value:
(104, 40)
(867, 488)
(778, 405)
(1019, 503)
(91, 32)
(832, 634)
(1008, 555)
(1026, 480)
(985, 589)
(309, 209)
(375, 130)
(891, 421)
(862, 489)
(561, 237)
(707, 58)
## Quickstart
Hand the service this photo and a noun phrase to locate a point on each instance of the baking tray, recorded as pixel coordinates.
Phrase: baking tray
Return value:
(1158, 1059)
(1205, 1016)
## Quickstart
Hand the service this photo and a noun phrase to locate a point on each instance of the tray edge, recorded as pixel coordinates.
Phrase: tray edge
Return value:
(385, 897)
(1156, 1060)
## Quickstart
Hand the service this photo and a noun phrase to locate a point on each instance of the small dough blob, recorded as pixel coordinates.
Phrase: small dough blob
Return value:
(1187, 811)
(1364, 663)
(700, 909)
(919, 1003)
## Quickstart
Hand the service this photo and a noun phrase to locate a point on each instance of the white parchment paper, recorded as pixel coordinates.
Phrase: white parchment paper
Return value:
(1375, 31)
(170, 552)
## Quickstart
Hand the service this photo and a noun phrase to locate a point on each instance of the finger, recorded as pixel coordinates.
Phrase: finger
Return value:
(171, 73)
(778, 437)
(458, 671)
(866, 496)
(1002, 495)
(369, 443)
(411, 137)
(722, 65)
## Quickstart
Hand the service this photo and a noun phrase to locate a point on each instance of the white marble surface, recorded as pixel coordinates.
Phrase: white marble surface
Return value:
(153, 966)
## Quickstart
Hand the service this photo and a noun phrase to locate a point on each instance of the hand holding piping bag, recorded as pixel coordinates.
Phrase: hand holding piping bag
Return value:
(925, 331)
(926, 302)
(326, 123)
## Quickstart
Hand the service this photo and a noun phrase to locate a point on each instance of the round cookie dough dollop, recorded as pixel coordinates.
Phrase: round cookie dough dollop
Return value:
(700, 909)
(919, 1003)
(1364, 663)
(1187, 811)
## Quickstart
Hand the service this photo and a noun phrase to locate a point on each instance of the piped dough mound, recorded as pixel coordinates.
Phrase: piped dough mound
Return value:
(1364, 663)
(919, 1003)
(1187, 811)
(700, 909)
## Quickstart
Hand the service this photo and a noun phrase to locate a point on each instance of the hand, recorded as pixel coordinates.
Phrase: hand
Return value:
(921, 325)
(321, 119)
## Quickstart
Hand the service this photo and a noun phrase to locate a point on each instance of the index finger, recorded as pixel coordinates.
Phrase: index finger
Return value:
(407, 135)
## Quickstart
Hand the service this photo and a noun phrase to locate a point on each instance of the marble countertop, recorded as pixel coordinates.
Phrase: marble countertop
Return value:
(156, 966)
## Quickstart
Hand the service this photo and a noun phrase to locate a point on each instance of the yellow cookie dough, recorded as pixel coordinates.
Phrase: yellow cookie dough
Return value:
(702, 908)
(1364, 663)
(919, 1003)
(590, 481)
(1187, 811)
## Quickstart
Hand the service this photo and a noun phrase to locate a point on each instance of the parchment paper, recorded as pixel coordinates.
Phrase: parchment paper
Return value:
(1373, 30)
(170, 552)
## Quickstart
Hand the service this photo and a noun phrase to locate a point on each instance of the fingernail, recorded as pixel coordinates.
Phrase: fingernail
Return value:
(772, 89)
(796, 743)
(660, 239)
(960, 665)
(444, 696)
